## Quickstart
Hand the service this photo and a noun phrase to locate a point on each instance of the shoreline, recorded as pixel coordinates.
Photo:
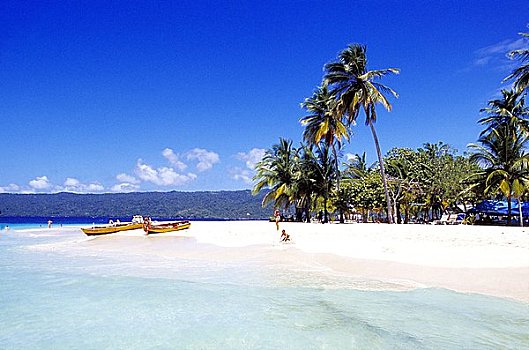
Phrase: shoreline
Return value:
(480, 259)
(486, 260)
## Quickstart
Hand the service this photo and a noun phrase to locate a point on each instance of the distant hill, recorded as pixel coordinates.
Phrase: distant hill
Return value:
(207, 204)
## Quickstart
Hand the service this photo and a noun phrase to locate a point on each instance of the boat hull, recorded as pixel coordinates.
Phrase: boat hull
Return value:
(105, 230)
(169, 227)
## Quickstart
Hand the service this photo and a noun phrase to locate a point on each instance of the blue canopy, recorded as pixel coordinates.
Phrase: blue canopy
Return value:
(492, 207)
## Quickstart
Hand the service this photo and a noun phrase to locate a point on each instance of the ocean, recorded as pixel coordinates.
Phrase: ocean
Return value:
(60, 290)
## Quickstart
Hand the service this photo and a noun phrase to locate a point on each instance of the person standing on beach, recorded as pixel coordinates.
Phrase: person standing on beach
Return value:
(277, 215)
(49, 223)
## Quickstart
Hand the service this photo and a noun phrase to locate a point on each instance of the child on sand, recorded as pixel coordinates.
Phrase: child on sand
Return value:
(285, 237)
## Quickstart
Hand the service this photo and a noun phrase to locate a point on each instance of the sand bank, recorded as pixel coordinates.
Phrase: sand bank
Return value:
(480, 259)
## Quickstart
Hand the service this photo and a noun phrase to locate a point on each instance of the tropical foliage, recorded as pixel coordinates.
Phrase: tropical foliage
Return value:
(502, 151)
(356, 88)
(277, 171)
(404, 184)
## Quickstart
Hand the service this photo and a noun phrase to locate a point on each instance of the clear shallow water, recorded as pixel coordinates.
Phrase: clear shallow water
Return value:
(57, 292)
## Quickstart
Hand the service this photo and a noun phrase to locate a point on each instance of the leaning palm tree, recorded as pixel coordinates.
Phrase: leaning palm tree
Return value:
(276, 171)
(355, 89)
(521, 74)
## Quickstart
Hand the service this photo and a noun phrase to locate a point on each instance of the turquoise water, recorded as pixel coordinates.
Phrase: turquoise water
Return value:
(56, 296)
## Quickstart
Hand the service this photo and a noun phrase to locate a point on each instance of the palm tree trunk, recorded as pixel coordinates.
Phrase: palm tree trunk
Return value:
(337, 178)
(509, 206)
(395, 206)
(520, 211)
(325, 219)
(382, 172)
(307, 209)
(336, 166)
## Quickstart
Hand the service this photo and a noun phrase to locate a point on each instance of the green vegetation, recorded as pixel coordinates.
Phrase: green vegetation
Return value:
(219, 205)
(355, 88)
(502, 154)
(404, 184)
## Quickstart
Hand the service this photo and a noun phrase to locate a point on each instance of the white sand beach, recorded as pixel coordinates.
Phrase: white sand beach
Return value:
(475, 259)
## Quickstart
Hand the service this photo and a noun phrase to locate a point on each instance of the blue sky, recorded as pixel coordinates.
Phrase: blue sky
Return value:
(185, 95)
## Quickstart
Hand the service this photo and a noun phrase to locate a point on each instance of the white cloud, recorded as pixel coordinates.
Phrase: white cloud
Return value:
(252, 157)
(350, 157)
(40, 183)
(10, 188)
(145, 172)
(95, 187)
(172, 175)
(174, 159)
(205, 158)
(125, 178)
(496, 54)
(241, 174)
(74, 185)
(71, 182)
(503, 47)
(163, 176)
(125, 187)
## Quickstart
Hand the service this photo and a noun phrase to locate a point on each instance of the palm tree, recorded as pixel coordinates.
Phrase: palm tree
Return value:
(321, 125)
(326, 174)
(355, 88)
(521, 74)
(306, 179)
(509, 110)
(319, 164)
(276, 171)
(505, 164)
(505, 136)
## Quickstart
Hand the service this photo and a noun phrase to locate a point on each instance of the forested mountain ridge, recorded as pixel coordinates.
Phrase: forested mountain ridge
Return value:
(207, 204)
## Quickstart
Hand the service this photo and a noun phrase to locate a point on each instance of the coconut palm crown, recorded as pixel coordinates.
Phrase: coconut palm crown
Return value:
(509, 110)
(276, 171)
(321, 123)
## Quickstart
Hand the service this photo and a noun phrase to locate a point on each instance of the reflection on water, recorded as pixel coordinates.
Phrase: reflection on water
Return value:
(70, 292)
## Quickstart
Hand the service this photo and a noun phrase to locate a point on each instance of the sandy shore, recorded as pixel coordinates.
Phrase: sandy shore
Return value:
(476, 259)
(481, 259)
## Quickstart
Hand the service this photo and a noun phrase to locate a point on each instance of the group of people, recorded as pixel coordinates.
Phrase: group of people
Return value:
(285, 237)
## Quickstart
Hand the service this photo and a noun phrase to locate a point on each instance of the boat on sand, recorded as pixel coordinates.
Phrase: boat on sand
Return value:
(113, 227)
(151, 227)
